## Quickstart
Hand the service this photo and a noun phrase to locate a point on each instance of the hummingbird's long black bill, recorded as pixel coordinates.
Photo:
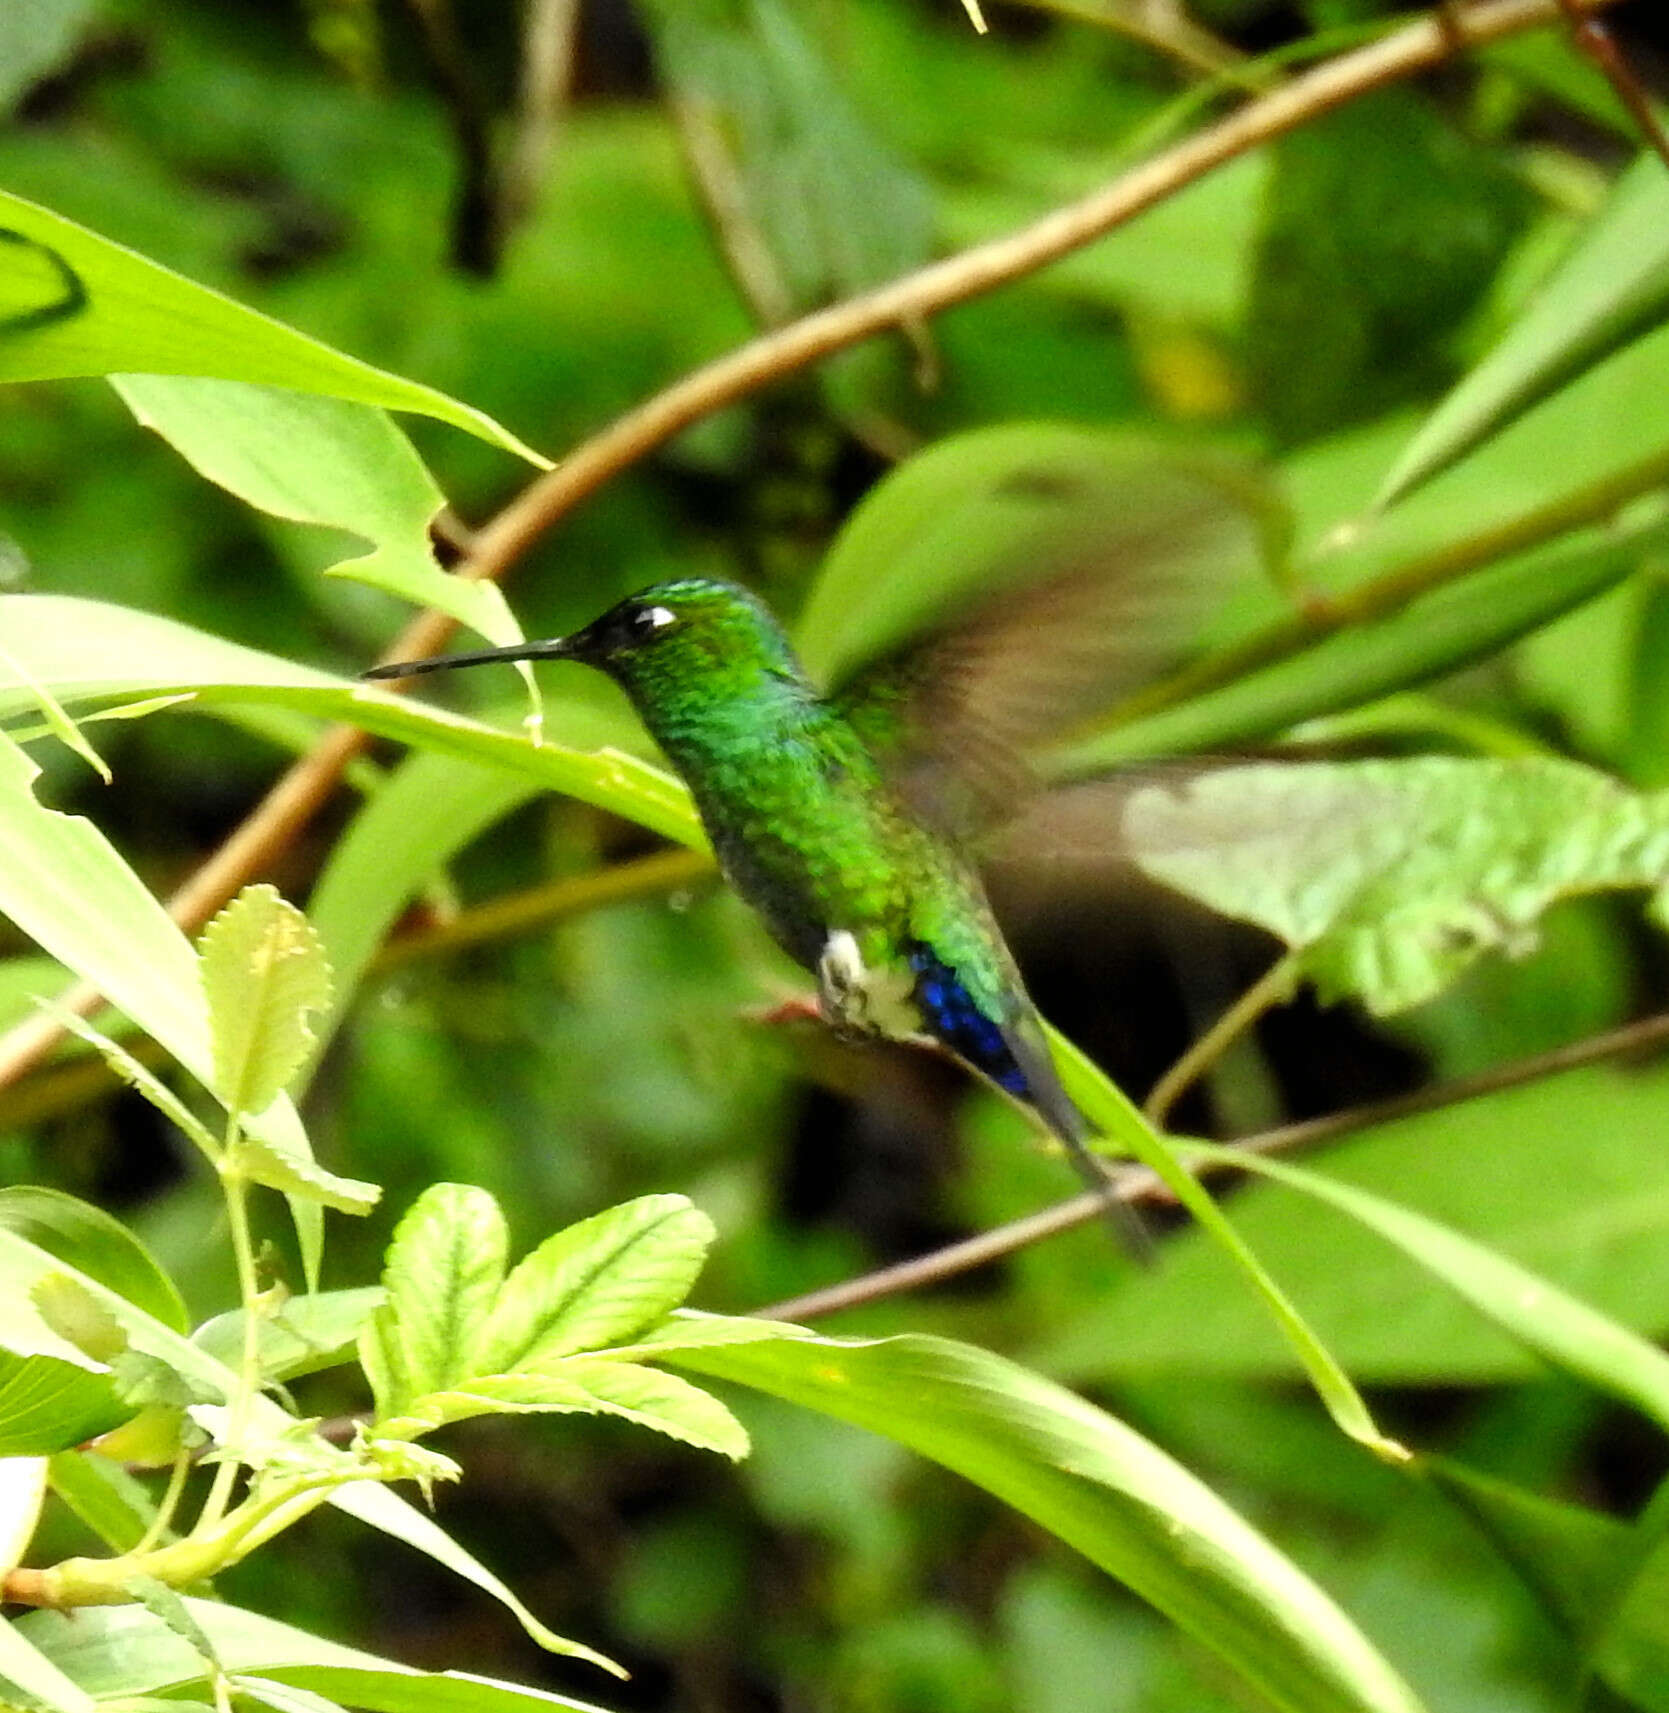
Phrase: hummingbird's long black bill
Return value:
(554, 648)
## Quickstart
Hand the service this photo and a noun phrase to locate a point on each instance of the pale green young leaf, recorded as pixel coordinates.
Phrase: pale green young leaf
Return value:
(584, 1385)
(596, 1282)
(282, 1697)
(168, 1607)
(1100, 1487)
(1388, 878)
(264, 973)
(90, 651)
(42, 1683)
(442, 1273)
(306, 1334)
(1612, 287)
(56, 721)
(301, 1179)
(325, 461)
(140, 1078)
(120, 1651)
(76, 304)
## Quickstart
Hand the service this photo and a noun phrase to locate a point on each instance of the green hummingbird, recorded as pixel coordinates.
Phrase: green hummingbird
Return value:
(848, 819)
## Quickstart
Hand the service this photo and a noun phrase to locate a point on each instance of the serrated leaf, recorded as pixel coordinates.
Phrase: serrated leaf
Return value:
(442, 1274)
(1611, 288)
(264, 972)
(596, 1282)
(262, 1163)
(168, 1607)
(586, 1385)
(1388, 878)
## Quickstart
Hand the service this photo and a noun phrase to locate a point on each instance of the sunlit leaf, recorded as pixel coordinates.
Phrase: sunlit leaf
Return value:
(1099, 1486)
(596, 1282)
(265, 974)
(73, 303)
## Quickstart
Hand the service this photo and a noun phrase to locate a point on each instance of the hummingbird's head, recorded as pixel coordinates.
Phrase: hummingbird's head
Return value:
(693, 634)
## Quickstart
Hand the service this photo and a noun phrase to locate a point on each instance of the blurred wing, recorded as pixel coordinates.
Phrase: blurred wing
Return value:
(1103, 588)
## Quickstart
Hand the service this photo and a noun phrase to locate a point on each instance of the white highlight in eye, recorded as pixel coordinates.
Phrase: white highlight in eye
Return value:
(656, 618)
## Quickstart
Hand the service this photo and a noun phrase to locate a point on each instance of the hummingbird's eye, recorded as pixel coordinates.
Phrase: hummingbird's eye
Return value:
(645, 622)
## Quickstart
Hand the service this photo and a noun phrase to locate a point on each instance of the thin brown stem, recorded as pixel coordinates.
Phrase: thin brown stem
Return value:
(1598, 43)
(1137, 1184)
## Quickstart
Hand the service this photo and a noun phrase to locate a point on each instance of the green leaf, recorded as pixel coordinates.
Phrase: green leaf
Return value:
(73, 303)
(442, 1274)
(1612, 288)
(112, 1503)
(264, 973)
(1571, 1216)
(1100, 1487)
(586, 1385)
(282, 1697)
(90, 1240)
(1628, 1647)
(22, 1664)
(692, 1329)
(595, 1283)
(118, 1651)
(322, 461)
(48, 1405)
(306, 1334)
(300, 1179)
(395, 844)
(1570, 1556)
(1388, 878)
(1566, 1332)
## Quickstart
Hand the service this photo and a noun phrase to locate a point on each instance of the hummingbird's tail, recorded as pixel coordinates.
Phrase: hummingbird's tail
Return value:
(1072, 1130)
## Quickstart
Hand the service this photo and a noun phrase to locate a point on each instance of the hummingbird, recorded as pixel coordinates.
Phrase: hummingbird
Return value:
(849, 819)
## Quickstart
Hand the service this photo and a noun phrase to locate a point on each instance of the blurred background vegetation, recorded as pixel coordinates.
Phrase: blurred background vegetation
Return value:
(391, 179)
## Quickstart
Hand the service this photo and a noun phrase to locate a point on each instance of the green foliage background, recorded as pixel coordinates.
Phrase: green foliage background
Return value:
(1308, 305)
